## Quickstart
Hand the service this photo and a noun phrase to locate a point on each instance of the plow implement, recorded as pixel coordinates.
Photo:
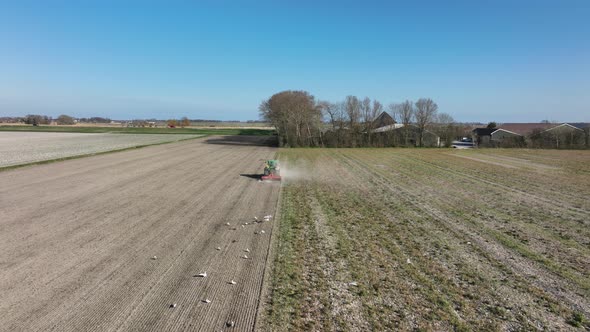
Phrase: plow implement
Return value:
(272, 171)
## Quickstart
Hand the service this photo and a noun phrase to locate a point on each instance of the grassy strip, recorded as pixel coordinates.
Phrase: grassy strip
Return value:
(49, 161)
(126, 130)
(287, 287)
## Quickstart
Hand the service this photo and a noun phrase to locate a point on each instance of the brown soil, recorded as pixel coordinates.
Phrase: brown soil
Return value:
(77, 240)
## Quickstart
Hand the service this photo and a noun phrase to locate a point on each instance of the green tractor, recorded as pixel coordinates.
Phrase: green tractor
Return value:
(272, 170)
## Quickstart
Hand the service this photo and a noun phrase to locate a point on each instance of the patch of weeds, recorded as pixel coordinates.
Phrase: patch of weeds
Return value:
(577, 320)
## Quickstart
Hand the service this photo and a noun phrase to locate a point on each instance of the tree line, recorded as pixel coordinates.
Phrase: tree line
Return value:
(303, 121)
(63, 119)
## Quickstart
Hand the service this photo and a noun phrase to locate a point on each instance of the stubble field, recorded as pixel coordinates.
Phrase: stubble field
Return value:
(433, 239)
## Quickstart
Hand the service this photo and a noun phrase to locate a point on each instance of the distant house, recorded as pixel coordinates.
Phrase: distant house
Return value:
(384, 119)
(497, 137)
(538, 135)
(482, 135)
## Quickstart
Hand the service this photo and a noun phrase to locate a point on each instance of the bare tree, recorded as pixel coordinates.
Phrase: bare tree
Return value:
(329, 110)
(353, 111)
(185, 122)
(425, 112)
(366, 110)
(404, 114)
(446, 128)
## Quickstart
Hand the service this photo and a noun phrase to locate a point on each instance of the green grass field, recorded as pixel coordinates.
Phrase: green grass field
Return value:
(129, 130)
(432, 240)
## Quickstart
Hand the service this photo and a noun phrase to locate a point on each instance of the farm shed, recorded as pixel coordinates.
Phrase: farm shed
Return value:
(564, 135)
(536, 135)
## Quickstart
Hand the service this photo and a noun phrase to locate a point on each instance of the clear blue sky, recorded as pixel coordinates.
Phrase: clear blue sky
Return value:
(480, 60)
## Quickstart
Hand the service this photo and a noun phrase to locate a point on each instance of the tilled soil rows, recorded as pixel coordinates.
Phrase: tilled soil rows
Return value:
(17, 148)
(117, 241)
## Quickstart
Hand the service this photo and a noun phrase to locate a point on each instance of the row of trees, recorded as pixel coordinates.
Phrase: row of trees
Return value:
(183, 122)
(301, 120)
(63, 119)
(35, 119)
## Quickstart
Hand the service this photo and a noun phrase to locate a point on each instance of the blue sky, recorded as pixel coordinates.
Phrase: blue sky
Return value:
(506, 61)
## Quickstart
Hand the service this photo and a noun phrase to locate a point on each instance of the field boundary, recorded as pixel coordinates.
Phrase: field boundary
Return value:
(50, 161)
(266, 285)
(139, 130)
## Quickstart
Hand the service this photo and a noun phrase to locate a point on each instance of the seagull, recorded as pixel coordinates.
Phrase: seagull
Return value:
(155, 257)
(247, 250)
(202, 275)
(232, 282)
(206, 301)
(218, 248)
(245, 257)
(173, 305)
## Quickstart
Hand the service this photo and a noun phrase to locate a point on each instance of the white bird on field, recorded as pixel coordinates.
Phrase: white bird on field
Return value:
(202, 275)
(206, 301)
(245, 257)
(232, 282)
(247, 250)
(218, 248)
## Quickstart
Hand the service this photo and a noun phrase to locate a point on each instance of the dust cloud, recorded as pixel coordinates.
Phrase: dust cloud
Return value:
(293, 173)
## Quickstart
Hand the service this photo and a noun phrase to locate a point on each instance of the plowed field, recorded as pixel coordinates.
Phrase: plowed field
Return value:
(78, 239)
(432, 240)
(27, 147)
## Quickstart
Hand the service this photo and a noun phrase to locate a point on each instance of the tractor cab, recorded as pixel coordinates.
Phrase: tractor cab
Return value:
(272, 170)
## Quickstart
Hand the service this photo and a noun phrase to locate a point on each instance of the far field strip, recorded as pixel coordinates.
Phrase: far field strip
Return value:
(110, 242)
(17, 148)
(424, 239)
